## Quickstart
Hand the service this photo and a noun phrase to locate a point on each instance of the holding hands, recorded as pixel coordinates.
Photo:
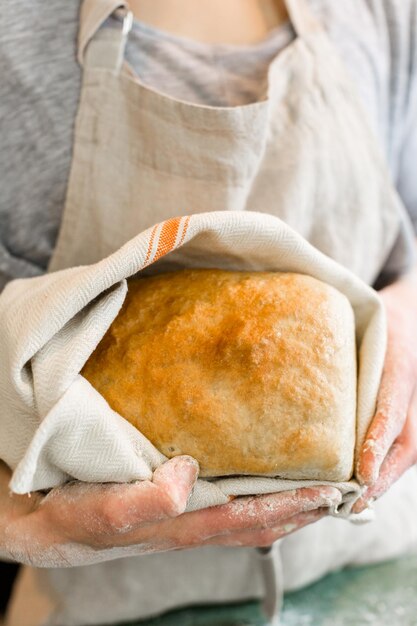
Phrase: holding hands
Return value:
(390, 447)
(83, 523)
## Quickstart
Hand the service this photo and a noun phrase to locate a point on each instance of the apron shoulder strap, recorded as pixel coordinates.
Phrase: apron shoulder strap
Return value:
(104, 48)
(301, 17)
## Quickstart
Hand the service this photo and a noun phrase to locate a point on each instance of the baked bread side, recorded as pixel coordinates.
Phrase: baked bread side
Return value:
(248, 372)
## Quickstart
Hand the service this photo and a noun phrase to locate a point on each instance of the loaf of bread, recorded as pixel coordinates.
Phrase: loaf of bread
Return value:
(248, 372)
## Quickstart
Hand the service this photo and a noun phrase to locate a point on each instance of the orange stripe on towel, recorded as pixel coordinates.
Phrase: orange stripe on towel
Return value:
(168, 237)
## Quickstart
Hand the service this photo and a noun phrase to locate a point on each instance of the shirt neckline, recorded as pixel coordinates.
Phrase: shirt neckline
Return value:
(271, 39)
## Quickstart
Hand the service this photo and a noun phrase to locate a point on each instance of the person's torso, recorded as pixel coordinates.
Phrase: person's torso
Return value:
(40, 95)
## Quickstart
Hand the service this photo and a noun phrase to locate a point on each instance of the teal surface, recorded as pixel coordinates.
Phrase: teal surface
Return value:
(381, 595)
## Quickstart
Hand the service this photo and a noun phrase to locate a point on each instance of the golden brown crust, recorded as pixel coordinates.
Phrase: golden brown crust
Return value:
(249, 372)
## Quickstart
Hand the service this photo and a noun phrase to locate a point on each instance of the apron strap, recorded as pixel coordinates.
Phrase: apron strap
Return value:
(301, 17)
(273, 579)
(103, 48)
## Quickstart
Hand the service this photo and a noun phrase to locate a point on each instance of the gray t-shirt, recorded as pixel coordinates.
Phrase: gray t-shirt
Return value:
(40, 87)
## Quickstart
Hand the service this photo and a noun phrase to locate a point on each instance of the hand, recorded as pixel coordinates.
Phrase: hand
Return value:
(83, 523)
(390, 447)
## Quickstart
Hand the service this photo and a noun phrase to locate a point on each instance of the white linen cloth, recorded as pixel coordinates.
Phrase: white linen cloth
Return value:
(55, 426)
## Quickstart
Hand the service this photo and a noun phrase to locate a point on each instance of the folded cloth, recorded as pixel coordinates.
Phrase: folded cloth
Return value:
(55, 426)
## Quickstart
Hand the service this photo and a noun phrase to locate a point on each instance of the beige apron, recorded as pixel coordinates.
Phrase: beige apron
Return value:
(305, 154)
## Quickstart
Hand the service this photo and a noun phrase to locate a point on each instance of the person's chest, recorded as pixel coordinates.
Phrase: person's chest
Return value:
(232, 22)
(40, 91)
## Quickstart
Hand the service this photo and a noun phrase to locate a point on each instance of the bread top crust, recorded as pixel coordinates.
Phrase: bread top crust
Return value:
(249, 372)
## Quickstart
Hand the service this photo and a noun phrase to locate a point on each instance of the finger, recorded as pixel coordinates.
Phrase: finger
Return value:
(82, 555)
(262, 511)
(396, 389)
(84, 510)
(176, 478)
(266, 537)
(402, 455)
(243, 513)
(165, 496)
